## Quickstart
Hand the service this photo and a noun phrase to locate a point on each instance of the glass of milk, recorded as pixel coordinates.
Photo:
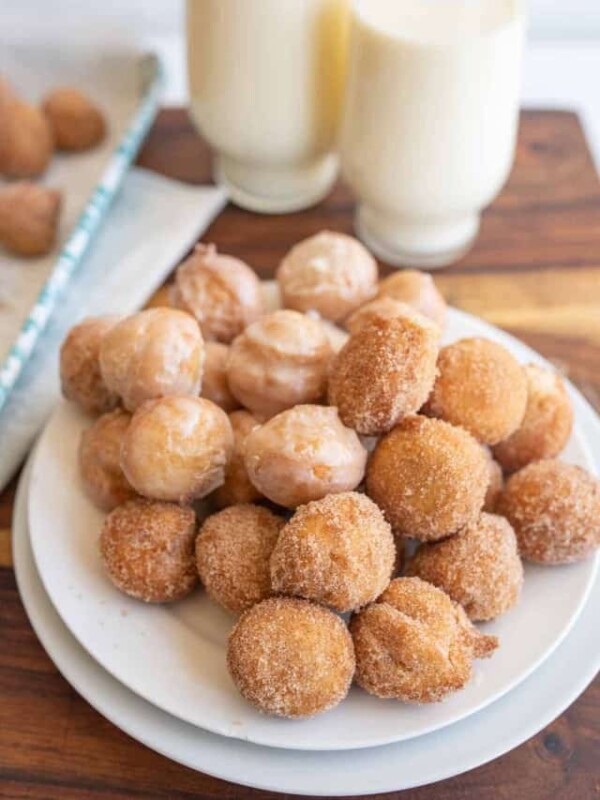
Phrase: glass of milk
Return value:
(430, 121)
(266, 81)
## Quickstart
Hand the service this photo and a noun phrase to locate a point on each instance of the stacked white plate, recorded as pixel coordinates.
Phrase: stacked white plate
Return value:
(158, 672)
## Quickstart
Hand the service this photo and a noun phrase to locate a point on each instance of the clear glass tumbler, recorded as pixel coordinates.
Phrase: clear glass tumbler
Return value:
(266, 81)
(430, 121)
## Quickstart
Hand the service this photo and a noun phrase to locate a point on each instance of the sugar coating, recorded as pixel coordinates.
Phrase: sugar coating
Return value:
(479, 567)
(278, 362)
(331, 273)
(80, 376)
(303, 454)
(233, 550)
(555, 511)
(177, 448)
(338, 551)
(156, 353)
(237, 486)
(384, 372)
(495, 484)
(415, 644)
(291, 658)
(380, 308)
(418, 290)
(99, 459)
(215, 386)
(222, 292)
(546, 426)
(148, 550)
(428, 477)
(481, 387)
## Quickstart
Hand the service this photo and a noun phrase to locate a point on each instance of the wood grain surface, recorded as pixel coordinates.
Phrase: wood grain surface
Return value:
(535, 271)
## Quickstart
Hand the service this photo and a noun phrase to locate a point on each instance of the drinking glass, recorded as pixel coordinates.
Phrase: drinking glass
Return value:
(430, 121)
(266, 80)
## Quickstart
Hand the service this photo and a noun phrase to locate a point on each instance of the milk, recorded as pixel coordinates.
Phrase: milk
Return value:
(430, 122)
(266, 81)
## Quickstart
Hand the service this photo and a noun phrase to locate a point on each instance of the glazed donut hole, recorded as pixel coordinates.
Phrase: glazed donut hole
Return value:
(148, 550)
(303, 454)
(384, 373)
(155, 353)
(479, 567)
(546, 426)
(428, 477)
(415, 644)
(237, 487)
(278, 362)
(221, 292)
(80, 377)
(271, 296)
(215, 386)
(416, 289)
(337, 336)
(338, 551)
(331, 273)
(554, 509)
(291, 658)
(481, 387)
(177, 448)
(233, 550)
(99, 458)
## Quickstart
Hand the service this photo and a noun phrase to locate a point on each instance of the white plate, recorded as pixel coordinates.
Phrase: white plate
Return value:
(464, 746)
(174, 655)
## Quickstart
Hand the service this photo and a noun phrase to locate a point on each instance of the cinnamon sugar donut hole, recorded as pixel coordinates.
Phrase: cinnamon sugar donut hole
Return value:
(279, 362)
(338, 551)
(177, 448)
(379, 308)
(554, 509)
(156, 353)
(303, 454)
(222, 292)
(385, 372)
(415, 644)
(80, 376)
(481, 387)
(99, 457)
(331, 273)
(418, 290)
(546, 426)
(148, 550)
(428, 477)
(291, 658)
(233, 550)
(495, 484)
(479, 567)
(215, 386)
(237, 486)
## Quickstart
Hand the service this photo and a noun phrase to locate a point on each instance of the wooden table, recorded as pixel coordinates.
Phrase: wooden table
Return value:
(535, 271)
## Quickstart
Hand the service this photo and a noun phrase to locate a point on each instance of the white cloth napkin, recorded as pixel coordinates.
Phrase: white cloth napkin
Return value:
(150, 227)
